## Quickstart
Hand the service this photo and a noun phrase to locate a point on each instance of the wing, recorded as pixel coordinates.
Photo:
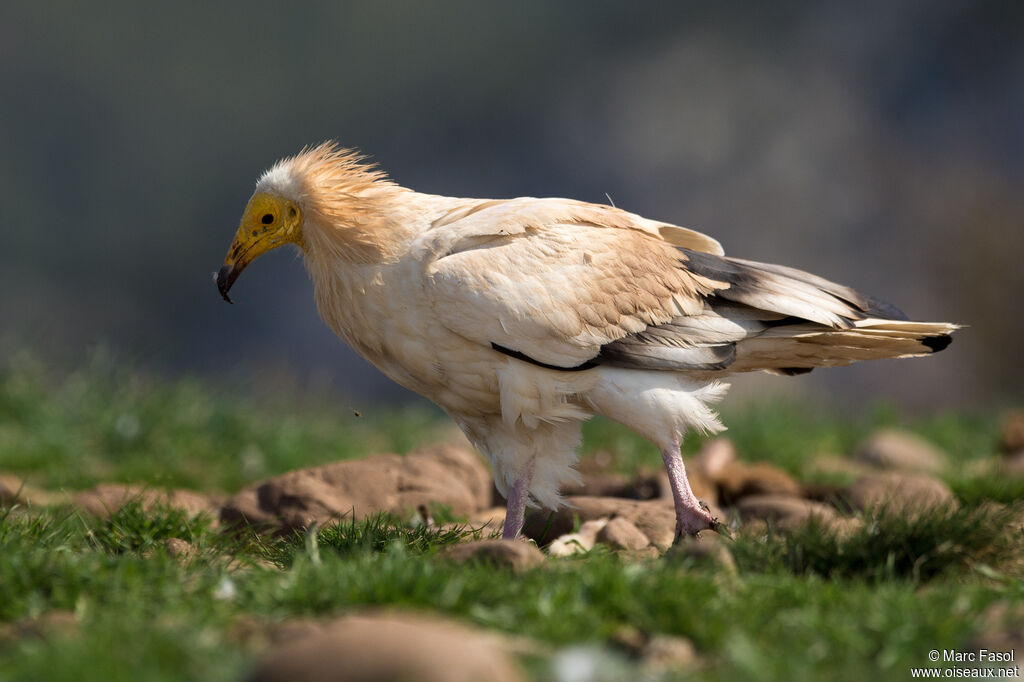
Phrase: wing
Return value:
(567, 286)
(555, 280)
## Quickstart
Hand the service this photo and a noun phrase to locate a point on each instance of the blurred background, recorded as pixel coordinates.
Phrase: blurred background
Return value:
(877, 144)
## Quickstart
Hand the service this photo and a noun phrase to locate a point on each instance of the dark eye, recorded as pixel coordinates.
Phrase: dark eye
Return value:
(267, 219)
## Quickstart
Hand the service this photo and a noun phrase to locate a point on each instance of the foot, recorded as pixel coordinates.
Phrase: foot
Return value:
(691, 520)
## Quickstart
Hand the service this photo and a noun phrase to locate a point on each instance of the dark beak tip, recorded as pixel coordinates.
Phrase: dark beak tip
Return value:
(224, 278)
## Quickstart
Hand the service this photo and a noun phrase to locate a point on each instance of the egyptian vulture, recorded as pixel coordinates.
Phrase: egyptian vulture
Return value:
(522, 318)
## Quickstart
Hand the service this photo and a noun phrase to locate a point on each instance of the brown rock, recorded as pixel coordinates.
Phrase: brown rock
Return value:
(835, 467)
(706, 549)
(14, 490)
(665, 653)
(654, 518)
(1011, 437)
(827, 493)
(738, 480)
(1011, 464)
(107, 498)
(900, 450)
(909, 494)
(518, 555)
(604, 484)
(783, 512)
(658, 653)
(445, 474)
(488, 520)
(11, 489)
(581, 541)
(714, 456)
(413, 647)
(651, 485)
(181, 550)
(619, 533)
(1000, 628)
(703, 487)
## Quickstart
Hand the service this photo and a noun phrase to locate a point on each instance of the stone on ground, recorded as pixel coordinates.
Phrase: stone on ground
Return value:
(396, 646)
(581, 541)
(107, 498)
(908, 494)
(654, 518)
(519, 555)
(737, 480)
(783, 512)
(620, 534)
(444, 474)
(706, 549)
(901, 451)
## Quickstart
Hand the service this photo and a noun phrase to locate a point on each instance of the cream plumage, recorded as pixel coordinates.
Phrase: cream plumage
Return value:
(522, 318)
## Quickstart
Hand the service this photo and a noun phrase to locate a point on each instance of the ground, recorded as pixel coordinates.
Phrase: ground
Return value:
(124, 597)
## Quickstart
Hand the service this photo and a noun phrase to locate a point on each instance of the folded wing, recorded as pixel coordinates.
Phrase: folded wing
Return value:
(569, 286)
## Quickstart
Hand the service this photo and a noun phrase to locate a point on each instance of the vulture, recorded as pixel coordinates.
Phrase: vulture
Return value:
(522, 318)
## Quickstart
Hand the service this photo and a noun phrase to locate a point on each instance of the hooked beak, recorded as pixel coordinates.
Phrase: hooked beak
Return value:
(268, 222)
(226, 276)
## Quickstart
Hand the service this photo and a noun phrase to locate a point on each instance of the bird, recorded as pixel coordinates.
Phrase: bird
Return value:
(522, 318)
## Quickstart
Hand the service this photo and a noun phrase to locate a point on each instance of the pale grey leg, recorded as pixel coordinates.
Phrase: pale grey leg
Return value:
(515, 512)
(691, 516)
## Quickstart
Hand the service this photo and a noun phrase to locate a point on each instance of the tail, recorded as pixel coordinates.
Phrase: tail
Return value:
(777, 319)
(796, 349)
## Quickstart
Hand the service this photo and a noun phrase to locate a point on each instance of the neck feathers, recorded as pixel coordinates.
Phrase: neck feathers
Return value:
(346, 202)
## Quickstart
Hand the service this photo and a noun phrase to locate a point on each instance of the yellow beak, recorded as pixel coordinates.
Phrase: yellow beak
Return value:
(268, 222)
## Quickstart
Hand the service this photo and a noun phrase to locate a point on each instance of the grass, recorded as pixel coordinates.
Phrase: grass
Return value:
(802, 606)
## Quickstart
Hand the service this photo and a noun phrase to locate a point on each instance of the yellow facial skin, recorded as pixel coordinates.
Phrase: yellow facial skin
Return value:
(268, 222)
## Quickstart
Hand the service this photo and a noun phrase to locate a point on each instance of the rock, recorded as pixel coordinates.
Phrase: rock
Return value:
(704, 488)
(581, 541)
(444, 474)
(713, 457)
(900, 450)
(783, 512)
(619, 533)
(1000, 628)
(395, 646)
(107, 498)
(645, 485)
(654, 518)
(658, 653)
(488, 520)
(737, 480)
(909, 494)
(518, 555)
(602, 484)
(14, 490)
(835, 467)
(1009, 465)
(1011, 436)
(666, 653)
(179, 549)
(827, 493)
(706, 549)
(652, 485)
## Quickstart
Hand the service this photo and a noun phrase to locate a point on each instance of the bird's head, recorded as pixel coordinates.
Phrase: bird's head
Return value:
(321, 195)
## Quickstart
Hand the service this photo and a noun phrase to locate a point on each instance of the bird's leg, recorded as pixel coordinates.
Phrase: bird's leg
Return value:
(515, 512)
(691, 515)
